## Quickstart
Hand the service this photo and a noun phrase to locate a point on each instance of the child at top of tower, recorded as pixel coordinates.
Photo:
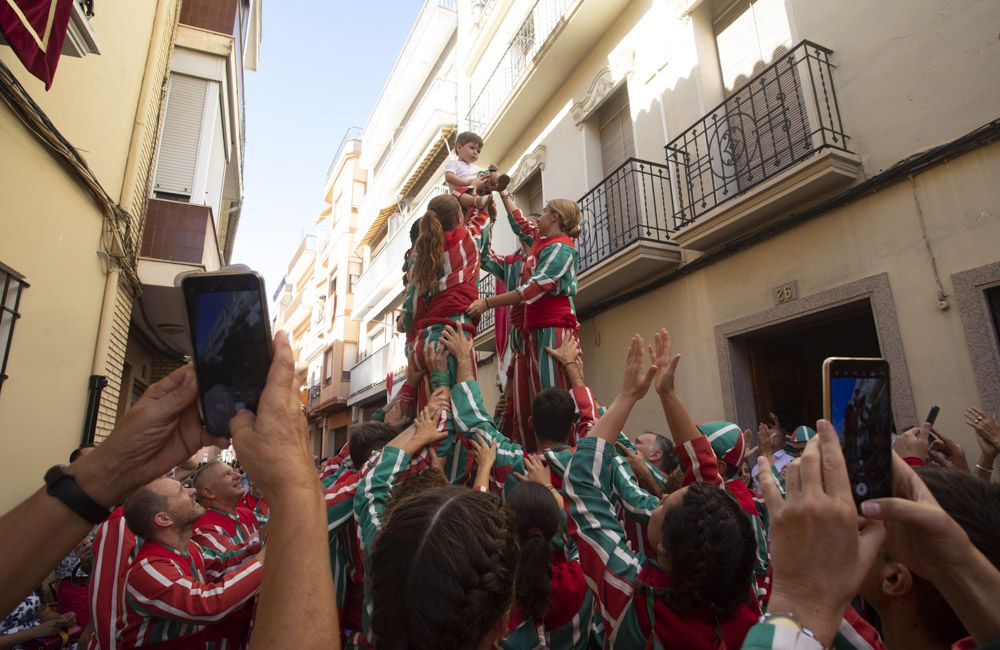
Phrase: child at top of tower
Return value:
(468, 181)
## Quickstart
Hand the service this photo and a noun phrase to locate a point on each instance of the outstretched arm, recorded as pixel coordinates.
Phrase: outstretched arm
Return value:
(634, 386)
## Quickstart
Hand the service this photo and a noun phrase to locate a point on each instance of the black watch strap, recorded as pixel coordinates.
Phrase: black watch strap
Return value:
(62, 486)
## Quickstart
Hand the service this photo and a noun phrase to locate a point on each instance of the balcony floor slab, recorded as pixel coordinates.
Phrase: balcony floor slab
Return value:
(810, 179)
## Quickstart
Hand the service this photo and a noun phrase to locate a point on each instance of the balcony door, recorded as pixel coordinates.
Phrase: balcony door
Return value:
(616, 204)
(764, 122)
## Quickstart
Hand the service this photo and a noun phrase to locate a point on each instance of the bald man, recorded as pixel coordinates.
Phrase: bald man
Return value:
(169, 599)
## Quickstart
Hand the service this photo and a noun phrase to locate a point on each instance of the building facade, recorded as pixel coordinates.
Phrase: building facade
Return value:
(775, 181)
(80, 212)
(196, 190)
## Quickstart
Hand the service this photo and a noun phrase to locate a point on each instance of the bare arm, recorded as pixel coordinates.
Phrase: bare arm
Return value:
(682, 427)
(155, 435)
(296, 607)
(634, 386)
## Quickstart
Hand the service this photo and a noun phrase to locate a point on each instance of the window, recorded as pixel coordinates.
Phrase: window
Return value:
(350, 360)
(529, 196)
(993, 300)
(178, 154)
(11, 285)
(327, 366)
(748, 34)
(615, 123)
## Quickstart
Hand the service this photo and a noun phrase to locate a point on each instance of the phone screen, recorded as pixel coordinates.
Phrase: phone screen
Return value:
(227, 318)
(861, 412)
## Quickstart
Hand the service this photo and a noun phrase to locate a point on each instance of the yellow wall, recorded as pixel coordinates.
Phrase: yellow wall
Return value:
(50, 230)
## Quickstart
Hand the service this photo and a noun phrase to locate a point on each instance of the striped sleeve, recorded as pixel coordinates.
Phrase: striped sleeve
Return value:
(478, 222)
(586, 410)
(377, 480)
(493, 264)
(159, 588)
(339, 501)
(554, 261)
(637, 502)
(609, 565)
(221, 555)
(471, 417)
(523, 229)
(113, 546)
(699, 462)
(410, 306)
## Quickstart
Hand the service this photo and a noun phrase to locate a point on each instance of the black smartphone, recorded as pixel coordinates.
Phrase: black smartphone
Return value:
(857, 400)
(932, 414)
(231, 338)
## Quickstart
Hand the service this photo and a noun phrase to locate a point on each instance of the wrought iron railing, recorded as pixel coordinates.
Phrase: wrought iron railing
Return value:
(487, 287)
(314, 393)
(631, 204)
(534, 32)
(782, 115)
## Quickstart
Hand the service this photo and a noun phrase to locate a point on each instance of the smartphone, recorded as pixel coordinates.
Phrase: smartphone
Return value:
(231, 340)
(932, 414)
(857, 400)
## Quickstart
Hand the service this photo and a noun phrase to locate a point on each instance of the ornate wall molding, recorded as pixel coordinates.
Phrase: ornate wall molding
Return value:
(602, 84)
(534, 161)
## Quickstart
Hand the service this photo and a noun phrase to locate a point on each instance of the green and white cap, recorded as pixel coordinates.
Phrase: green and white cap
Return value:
(727, 440)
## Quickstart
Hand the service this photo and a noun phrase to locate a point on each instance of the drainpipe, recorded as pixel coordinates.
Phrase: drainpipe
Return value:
(164, 19)
(95, 388)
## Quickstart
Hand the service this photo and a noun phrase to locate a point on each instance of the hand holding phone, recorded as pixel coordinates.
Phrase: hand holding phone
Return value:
(231, 339)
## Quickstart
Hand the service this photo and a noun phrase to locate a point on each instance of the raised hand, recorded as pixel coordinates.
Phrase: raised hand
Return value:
(436, 357)
(486, 453)
(637, 379)
(568, 351)
(535, 471)
(948, 454)
(910, 444)
(665, 362)
(456, 342)
(987, 429)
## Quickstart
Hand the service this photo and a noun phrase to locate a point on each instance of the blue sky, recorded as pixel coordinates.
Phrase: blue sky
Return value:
(322, 65)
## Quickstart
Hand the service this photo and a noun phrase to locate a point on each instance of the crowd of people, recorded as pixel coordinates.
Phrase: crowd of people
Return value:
(537, 524)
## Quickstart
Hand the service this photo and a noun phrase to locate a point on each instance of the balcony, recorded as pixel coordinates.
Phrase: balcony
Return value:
(626, 233)
(368, 376)
(314, 393)
(551, 40)
(352, 136)
(486, 332)
(383, 276)
(775, 143)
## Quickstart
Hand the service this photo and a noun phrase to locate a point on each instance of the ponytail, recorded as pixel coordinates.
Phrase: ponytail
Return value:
(441, 216)
(429, 253)
(537, 523)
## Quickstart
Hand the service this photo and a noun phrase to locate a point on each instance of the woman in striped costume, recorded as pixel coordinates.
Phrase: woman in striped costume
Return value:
(696, 592)
(548, 294)
(553, 607)
(442, 284)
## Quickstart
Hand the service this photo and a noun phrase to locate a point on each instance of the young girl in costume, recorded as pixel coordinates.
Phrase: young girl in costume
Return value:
(553, 607)
(442, 284)
(548, 294)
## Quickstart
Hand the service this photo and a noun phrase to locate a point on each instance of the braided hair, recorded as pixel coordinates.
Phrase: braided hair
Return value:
(537, 522)
(442, 570)
(711, 547)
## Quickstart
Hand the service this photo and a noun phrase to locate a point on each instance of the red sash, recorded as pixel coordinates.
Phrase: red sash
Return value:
(695, 629)
(550, 310)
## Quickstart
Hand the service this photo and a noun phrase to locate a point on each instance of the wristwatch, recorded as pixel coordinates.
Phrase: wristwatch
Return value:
(63, 486)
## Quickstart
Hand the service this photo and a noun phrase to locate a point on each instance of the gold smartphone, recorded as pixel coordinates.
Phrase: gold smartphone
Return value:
(858, 402)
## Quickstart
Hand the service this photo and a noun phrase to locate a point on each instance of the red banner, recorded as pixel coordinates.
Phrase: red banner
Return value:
(35, 30)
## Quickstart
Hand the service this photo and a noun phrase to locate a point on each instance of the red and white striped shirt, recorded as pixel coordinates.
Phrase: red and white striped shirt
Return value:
(226, 540)
(168, 599)
(113, 546)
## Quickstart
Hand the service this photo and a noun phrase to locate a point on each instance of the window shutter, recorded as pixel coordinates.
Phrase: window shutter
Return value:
(615, 122)
(747, 33)
(178, 154)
